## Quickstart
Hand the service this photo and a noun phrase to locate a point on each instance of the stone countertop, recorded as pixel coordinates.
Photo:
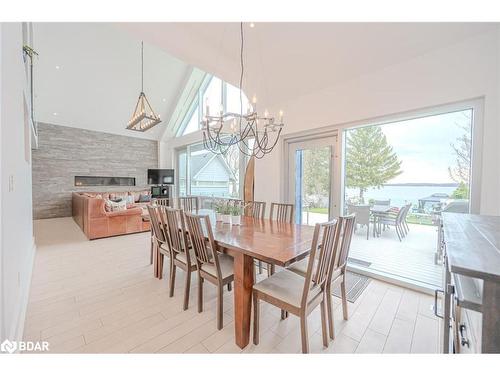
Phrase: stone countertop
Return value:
(473, 245)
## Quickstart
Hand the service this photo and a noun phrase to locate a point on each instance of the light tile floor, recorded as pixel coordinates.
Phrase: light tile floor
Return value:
(101, 297)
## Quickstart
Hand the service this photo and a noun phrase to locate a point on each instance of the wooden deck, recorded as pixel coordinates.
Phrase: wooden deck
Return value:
(411, 259)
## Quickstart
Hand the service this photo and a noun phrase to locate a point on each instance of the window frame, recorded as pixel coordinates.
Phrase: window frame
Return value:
(243, 161)
(197, 104)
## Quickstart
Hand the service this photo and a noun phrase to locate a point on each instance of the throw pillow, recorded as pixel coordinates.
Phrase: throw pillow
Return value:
(145, 198)
(130, 199)
(120, 206)
(108, 205)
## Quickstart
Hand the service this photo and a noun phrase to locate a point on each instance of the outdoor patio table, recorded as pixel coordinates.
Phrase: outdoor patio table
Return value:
(378, 211)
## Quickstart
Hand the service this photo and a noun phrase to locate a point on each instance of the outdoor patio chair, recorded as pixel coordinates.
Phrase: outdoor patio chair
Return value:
(395, 219)
(362, 213)
(404, 222)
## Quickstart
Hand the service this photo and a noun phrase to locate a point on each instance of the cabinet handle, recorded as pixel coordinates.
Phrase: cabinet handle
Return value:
(463, 340)
(436, 302)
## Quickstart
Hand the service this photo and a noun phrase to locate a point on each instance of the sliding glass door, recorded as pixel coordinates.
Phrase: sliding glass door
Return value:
(405, 174)
(310, 179)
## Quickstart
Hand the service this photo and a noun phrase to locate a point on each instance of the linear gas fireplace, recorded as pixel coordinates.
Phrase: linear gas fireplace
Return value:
(104, 181)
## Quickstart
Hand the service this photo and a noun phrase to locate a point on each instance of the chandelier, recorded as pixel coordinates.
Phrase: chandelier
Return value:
(254, 134)
(143, 118)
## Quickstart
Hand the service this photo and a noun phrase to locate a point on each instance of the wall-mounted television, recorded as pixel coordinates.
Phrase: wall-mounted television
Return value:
(161, 176)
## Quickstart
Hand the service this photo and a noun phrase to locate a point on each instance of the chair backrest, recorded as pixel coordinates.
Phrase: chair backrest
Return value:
(234, 201)
(408, 208)
(167, 202)
(362, 213)
(177, 232)
(204, 247)
(157, 227)
(386, 202)
(189, 203)
(345, 228)
(255, 209)
(401, 214)
(284, 212)
(320, 257)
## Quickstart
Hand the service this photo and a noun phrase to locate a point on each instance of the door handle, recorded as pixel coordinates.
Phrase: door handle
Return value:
(463, 340)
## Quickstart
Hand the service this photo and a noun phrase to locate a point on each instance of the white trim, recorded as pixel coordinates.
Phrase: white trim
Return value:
(291, 144)
(393, 279)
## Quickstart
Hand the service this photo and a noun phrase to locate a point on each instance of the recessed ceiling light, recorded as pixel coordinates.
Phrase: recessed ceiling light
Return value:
(55, 113)
(57, 66)
(252, 25)
(164, 100)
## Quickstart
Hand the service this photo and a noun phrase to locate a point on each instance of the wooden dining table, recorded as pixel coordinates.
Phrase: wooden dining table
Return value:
(273, 242)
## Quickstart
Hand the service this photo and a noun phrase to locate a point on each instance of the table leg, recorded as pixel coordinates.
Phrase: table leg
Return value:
(243, 285)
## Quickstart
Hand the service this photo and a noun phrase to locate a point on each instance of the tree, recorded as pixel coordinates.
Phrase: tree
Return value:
(461, 171)
(370, 160)
(316, 174)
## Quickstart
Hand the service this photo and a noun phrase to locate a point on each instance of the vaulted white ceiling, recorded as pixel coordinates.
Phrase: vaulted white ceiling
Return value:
(287, 60)
(98, 80)
(88, 75)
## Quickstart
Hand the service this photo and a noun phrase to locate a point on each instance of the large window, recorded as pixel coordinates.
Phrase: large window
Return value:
(203, 173)
(218, 95)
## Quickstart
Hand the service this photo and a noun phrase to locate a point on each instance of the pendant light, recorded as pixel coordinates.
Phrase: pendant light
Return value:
(143, 118)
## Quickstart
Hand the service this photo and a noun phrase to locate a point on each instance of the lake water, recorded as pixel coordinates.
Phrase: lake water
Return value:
(402, 194)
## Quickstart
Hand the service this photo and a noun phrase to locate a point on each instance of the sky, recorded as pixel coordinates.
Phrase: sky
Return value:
(424, 145)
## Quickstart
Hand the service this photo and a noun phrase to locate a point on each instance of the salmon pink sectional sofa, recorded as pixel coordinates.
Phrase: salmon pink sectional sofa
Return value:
(98, 221)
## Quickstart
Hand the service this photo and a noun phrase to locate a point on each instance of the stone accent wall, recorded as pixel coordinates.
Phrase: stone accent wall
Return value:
(65, 152)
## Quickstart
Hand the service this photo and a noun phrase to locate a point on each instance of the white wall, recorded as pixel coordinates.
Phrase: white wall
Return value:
(17, 246)
(462, 71)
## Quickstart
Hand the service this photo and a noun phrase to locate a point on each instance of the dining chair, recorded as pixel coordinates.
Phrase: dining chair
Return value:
(234, 201)
(182, 256)
(213, 266)
(362, 213)
(161, 246)
(167, 202)
(296, 294)
(255, 209)
(189, 203)
(284, 212)
(342, 244)
(281, 212)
